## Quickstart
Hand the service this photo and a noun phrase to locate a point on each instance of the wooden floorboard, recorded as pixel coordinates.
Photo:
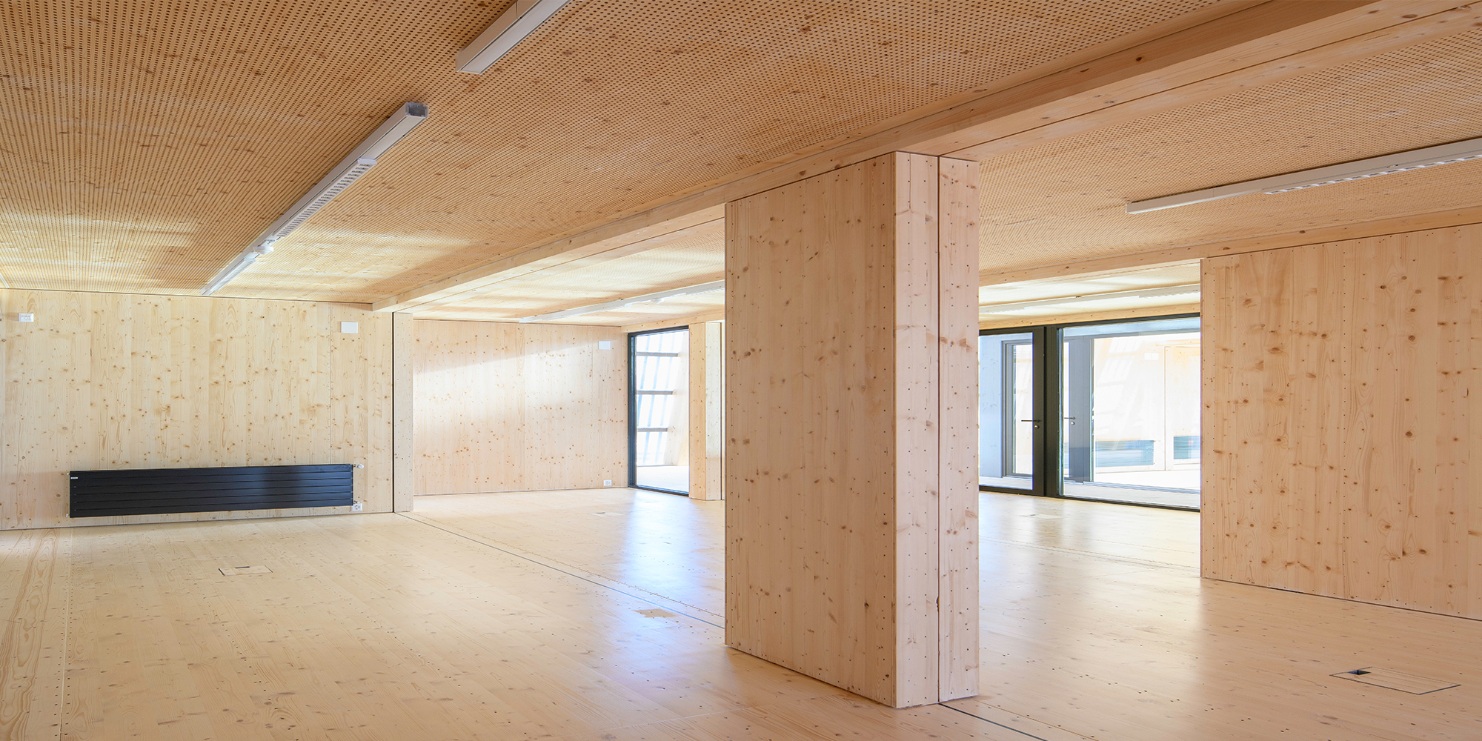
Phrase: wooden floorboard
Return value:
(563, 615)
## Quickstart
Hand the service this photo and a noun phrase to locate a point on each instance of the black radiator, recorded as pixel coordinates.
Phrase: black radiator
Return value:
(174, 490)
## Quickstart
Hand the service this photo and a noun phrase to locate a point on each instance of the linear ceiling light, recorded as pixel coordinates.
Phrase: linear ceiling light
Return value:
(1188, 290)
(509, 29)
(623, 303)
(357, 163)
(1388, 164)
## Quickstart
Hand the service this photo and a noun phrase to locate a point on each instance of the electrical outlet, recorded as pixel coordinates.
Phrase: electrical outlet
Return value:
(607, 482)
(357, 507)
(25, 318)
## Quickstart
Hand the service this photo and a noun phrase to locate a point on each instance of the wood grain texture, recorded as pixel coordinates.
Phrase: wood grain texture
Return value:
(1092, 316)
(195, 142)
(1352, 230)
(958, 591)
(684, 256)
(707, 410)
(404, 371)
(1348, 100)
(1216, 42)
(103, 381)
(482, 622)
(833, 430)
(1341, 380)
(516, 407)
(475, 604)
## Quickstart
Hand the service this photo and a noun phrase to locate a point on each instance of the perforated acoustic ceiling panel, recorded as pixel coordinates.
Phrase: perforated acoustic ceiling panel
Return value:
(145, 142)
(1063, 202)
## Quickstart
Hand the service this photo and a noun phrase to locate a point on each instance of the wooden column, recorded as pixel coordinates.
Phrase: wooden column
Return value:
(707, 399)
(851, 428)
(403, 453)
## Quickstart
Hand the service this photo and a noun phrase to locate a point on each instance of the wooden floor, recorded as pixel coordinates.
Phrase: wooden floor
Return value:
(596, 615)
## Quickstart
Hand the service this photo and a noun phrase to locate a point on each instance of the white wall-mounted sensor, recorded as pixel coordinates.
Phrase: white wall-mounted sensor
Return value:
(25, 317)
(349, 327)
(604, 344)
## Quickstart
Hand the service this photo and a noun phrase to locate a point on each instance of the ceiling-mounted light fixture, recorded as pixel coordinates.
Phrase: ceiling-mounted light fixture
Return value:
(1388, 164)
(357, 163)
(623, 303)
(509, 29)
(235, 267)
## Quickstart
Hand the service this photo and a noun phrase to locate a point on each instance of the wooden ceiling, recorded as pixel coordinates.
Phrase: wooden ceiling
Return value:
(1063, 201)
(143, 143)
(682, 258)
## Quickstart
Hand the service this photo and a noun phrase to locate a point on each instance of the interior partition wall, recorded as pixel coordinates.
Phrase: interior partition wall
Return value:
(1107, 411)
(658, 418)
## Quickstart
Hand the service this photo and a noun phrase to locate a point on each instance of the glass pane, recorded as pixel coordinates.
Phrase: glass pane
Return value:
(1005, 403)
(1130, 412)
(661, 410)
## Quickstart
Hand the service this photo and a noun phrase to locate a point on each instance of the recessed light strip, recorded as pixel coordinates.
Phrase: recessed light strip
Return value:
(508, 30)
(354, 165)
(623, 303)
(1388, 164)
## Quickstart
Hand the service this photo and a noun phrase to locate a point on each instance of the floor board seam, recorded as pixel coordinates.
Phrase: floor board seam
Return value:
(996, 723)
(66, 634)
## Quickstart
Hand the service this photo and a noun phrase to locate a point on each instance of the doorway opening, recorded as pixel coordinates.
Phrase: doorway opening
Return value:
(1107, 411)
(658, 410)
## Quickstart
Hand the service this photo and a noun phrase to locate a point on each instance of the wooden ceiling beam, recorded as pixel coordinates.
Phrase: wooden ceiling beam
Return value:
(1141, 312)
(1256, 34)
(713, 315)
(703, 284)
(1138, 99)
(1376, 228)
(603, 243)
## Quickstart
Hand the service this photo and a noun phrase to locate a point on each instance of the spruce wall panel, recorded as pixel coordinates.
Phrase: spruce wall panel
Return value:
(1342, 386)
(707, 410)
(121, 381)
(519, 407)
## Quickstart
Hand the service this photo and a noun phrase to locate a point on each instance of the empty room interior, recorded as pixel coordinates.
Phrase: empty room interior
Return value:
(668, 369)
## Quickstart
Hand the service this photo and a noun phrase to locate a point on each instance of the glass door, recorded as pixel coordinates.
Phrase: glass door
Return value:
(658, 410)
(1009, 417)
(1107, 411)
(1130, 411)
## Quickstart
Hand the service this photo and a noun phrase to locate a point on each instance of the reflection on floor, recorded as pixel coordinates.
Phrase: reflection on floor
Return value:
(1095, 622)
(651, 544)
(1104, 492)
(1006, 482)
(1160, 488)
(387, 627)
(594, 614)
(671, 478)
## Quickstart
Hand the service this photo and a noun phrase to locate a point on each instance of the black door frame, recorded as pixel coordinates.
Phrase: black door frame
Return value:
(1048, 404)
(1037, 409)
(633, 409)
